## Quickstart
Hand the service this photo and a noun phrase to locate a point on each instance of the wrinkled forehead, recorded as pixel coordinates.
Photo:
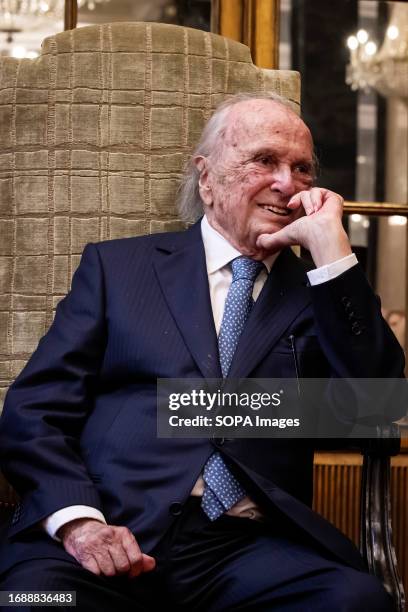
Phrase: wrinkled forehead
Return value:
(256, 119)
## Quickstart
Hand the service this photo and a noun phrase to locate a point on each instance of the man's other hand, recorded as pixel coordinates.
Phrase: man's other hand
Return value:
(320, 230)
(104, 549)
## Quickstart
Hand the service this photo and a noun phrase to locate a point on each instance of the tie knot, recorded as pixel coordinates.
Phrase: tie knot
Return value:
(245, 267)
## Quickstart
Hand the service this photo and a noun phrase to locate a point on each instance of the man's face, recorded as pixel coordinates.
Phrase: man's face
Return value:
(264, 157)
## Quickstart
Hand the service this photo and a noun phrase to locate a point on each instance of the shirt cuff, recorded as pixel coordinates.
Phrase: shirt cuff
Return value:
(331, 270)
(56, 520)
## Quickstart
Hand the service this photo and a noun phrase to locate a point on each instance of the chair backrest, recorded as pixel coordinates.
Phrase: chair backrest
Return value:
(93, 138)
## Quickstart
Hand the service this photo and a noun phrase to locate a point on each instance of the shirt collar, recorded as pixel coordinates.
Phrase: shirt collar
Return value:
(219, 252)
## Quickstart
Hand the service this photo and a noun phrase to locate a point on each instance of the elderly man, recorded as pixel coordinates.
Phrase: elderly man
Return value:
(126, 519)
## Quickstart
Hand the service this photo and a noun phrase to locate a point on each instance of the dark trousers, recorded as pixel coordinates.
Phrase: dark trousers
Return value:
(230, 564)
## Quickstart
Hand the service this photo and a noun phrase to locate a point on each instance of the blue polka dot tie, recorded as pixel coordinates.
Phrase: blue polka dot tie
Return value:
(221, 489)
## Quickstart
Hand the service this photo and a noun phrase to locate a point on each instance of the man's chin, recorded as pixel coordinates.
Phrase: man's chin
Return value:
(253, 250)
(258, 252)
(274, 225)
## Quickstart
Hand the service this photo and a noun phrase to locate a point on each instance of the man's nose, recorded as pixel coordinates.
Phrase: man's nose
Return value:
(283, 181)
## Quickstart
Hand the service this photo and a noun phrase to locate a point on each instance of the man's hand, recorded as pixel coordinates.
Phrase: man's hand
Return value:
(320, 230)
(104, 549)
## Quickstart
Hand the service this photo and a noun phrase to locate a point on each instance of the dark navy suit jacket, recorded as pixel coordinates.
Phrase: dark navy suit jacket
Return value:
(79, 424)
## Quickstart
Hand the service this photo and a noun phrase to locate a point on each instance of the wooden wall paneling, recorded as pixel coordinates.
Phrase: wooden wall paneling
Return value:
(70, 14)
(227, 18)
(252, 22)
(337, 481)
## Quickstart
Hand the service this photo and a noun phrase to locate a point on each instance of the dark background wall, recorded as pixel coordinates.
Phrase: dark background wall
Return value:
(319, 32)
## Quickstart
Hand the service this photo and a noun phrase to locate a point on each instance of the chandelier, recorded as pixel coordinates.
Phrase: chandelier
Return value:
(384, 69)
(20, 15)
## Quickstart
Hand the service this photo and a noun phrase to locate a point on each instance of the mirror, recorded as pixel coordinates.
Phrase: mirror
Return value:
(24, 25)
(191, 13)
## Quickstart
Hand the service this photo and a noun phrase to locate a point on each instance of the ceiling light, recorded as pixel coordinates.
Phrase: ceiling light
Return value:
(392, 32)
(370, 48)
(397, 220)
(384, 69)
(362, 36)
(29, 15)
(18, 51)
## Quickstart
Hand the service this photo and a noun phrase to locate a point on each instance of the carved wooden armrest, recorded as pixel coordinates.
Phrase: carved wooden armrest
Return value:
(375, 527)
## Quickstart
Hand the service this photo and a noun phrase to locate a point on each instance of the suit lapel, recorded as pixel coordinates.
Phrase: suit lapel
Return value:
(182, 273)
(282, 298)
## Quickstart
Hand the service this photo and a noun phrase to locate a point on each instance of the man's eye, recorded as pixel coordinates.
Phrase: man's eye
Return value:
(265, 160)
(303, 169)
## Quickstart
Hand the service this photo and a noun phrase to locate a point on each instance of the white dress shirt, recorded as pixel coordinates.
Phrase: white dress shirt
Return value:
(218, 254)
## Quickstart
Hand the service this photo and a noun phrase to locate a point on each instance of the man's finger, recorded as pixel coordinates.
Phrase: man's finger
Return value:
(295, 201)
(307, 202)
(333, 199)
(91, 565)
(119, 558)
(316, 196)
(105, 562)
(133, 552)
(149, 563)
(302, 199)
(275, 242)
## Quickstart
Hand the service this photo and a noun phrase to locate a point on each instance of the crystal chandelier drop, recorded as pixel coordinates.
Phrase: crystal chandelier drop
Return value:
(20, 15)
(384, 69)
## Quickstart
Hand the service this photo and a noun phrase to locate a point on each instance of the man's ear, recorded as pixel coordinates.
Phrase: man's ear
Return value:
(204, 182)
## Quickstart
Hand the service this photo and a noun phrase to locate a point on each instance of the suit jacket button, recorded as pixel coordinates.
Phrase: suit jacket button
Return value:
(17, 514)
(176, 508)
(356, 329)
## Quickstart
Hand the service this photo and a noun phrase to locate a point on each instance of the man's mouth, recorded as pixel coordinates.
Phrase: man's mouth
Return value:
(276, 210)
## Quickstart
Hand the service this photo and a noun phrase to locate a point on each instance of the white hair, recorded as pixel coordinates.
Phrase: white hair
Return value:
(189, 202)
